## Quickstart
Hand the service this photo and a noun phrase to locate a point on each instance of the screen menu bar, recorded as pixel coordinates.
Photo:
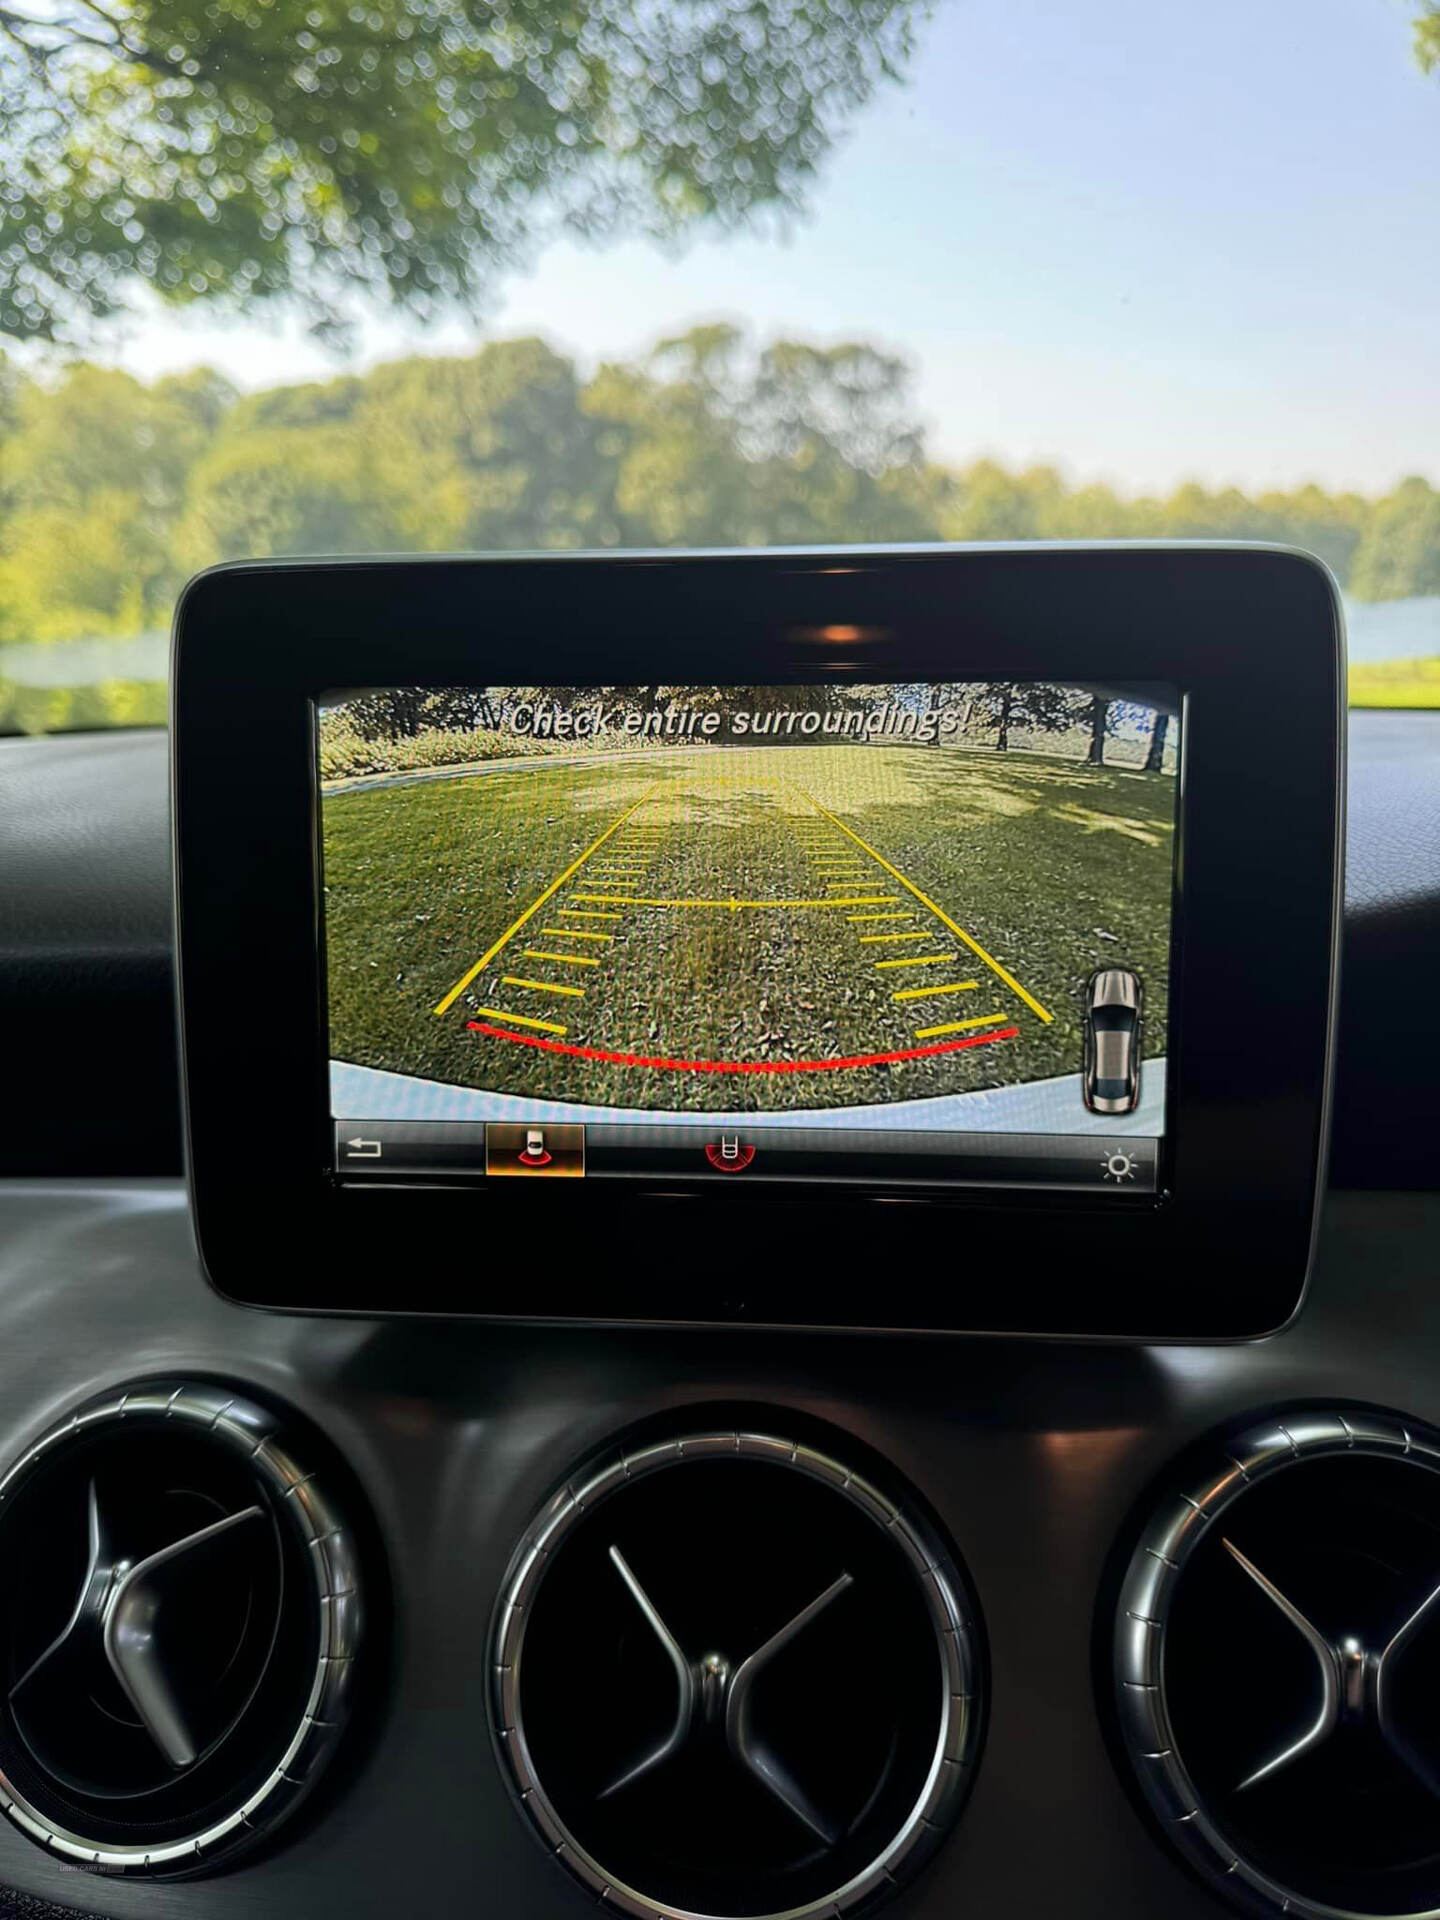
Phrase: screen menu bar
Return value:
(408, 1151)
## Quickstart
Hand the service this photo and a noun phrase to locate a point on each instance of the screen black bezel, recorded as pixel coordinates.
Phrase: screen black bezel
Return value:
(1252, 638)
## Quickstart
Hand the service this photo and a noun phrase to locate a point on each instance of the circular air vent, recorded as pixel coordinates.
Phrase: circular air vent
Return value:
(733, 1678)
(179, 1612)
(1278, 1659)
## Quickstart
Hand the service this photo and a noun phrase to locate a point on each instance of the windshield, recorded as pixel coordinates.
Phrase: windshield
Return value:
(282, 278)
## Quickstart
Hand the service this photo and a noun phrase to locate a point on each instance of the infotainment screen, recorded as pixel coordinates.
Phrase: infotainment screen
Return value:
(952, 949)
(897, 934)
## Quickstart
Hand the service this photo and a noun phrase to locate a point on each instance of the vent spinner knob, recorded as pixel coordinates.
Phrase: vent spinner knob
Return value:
(175, 1664)
(778, 1709)
(1277, 1653)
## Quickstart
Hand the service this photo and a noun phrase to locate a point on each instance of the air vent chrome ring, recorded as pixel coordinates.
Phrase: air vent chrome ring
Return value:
(1333, 1619)
(248, 1774)
(712, 1695)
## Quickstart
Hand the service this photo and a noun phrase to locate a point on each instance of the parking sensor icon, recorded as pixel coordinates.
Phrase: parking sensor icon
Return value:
(728, 1155)
(534, 1153)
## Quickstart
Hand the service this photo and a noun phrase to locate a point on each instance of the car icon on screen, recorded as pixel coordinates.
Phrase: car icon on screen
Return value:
(1114, 1028)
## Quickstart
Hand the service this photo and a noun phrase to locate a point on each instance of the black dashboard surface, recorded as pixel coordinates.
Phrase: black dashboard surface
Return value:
(85, 974)
(1033, 1457)
(87, 996)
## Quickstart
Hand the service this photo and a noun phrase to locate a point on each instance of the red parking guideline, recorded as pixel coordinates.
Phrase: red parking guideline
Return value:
(744, 1066)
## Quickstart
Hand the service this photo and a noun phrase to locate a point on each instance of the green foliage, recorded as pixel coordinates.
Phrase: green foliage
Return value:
(289, 491)
(93, 475)
(107, 703)
(987, 502)
(490, 451)
(112, 491)
(1400, 553)
(236, 150)
(347, 753)
(1427, 36)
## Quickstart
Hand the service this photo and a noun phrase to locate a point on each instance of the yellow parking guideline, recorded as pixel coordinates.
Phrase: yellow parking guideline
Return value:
(647, 900)
(573, 933)
(960, 1026)
(555, 885)
(928, 993)
(940, 914)
(540, 986)
(564, 959)
(519, 1019)
(873, 939)
(926, 960)
(856, 918)
(579, 913)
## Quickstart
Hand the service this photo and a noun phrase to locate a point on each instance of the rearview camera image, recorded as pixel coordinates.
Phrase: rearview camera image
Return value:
(944, 906)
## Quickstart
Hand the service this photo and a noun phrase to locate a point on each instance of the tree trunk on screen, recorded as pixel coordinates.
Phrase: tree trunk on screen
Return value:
(1002, 743)
(1155, 758)
(1099, 720)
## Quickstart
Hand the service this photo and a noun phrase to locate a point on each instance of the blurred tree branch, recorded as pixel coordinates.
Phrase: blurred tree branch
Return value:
(406, 151)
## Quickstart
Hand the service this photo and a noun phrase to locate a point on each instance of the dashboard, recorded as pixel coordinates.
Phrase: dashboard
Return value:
(524, 1611)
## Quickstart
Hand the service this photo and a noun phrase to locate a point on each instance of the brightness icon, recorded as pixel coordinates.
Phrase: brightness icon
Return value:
(1118, 1166)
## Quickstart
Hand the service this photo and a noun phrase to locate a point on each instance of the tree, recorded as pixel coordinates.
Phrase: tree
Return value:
(994, 706)
(491, 451)
(400, 713)
(986, 503)
(677, 477)
(716, 445)
(95, 470)
(1400, 552)
(406, 149)
(1039, 706)
(847, 403)
(1098, 720)
(1155, 752)
(822, 430)
(290, 492)
(1427, 36)
(1047, 708)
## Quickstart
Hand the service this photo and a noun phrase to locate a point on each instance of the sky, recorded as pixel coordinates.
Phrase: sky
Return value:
(1140, 240)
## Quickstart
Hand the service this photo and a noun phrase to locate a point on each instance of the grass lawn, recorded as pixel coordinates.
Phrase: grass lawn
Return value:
(1396, 683)
(1051, 869)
